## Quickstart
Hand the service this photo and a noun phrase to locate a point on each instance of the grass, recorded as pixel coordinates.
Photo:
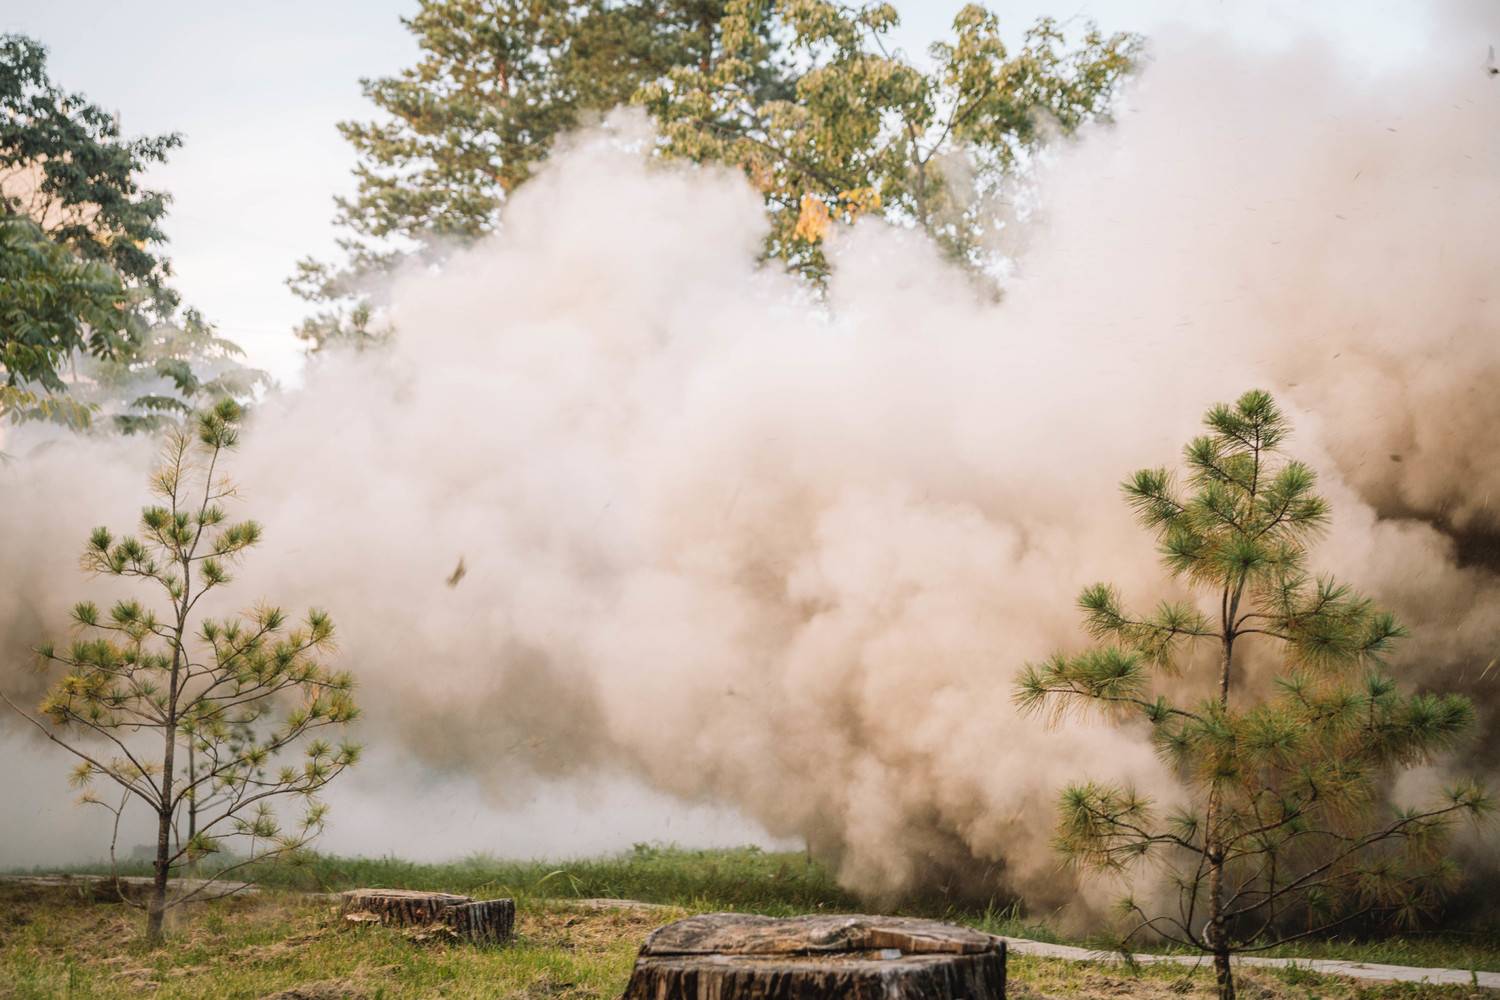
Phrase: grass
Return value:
(62, 943)
(739, 879)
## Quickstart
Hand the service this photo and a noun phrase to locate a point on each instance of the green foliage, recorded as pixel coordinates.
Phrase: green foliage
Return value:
(88, 323)
(173, 369)
(65, 166)
(1288, 760)
(243, 699)
(803, 95)
(495, 84)
(865, 130)
(52, 304)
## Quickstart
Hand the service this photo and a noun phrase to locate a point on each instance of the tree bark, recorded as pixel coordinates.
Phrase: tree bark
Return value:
(192, 795)
(1223, 972)
(727, 956)
(156, 908)
(485, 921)
(1223, 975)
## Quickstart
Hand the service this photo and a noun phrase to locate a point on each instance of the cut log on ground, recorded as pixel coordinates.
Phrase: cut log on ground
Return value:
(731, 956)
(487, 920)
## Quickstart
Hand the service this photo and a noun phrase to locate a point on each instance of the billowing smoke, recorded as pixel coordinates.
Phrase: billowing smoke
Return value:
(787, 555)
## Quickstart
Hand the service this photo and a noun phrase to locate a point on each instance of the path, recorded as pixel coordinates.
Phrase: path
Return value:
(1327, 966)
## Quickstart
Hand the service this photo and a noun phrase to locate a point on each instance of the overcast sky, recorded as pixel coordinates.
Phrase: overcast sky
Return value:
(256, 90)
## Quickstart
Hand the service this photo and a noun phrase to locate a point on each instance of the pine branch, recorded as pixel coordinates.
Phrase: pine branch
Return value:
(98, 767)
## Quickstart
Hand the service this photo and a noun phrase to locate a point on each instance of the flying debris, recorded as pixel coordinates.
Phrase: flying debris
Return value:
(1489, 64)
(458, 573)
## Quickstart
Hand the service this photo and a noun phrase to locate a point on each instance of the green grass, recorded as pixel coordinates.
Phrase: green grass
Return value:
(63, 943)
(744, 878)
(752, 880)
(67, 947)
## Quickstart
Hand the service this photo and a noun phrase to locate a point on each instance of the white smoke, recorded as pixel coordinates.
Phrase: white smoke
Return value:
(785, 557)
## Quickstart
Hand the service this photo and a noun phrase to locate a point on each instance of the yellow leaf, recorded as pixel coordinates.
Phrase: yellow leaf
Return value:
(813, 219)
(858, 201)
(760, 175)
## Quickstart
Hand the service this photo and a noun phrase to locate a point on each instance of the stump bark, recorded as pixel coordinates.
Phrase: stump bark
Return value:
(729, 956)
(484, 921)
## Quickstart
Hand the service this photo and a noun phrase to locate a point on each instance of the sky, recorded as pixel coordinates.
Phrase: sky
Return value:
(257, 89)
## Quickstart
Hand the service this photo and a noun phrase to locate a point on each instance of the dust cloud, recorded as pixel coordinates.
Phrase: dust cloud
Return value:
(751, 549)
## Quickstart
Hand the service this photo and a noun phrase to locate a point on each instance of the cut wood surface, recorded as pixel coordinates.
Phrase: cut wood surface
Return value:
(480, 921)
(732, 956)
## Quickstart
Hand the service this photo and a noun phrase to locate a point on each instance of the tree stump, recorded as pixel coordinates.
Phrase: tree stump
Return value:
(730, 956)
(484, 921)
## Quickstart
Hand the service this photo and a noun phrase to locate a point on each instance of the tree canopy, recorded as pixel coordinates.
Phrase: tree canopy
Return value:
(805, 96)
(52, 304)
(497, 82)
(867, 130)
(65, 166)
(176, 367)
(89, 323)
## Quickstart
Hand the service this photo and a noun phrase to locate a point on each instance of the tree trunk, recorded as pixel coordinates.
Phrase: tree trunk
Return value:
(1217, 930)
(156, 907)
(1223, 975)
(729, 956)
(488, 920)
(192, 794)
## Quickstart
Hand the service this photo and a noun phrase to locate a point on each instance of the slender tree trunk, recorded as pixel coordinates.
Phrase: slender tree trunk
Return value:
(164, 825)
(1225, 663)
(1223, 975)
(192, 799)
(192, 805)
(1223, 972)
(156, 908)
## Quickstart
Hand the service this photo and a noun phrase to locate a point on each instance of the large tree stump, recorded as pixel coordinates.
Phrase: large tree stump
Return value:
(729, 956)
(484, 921)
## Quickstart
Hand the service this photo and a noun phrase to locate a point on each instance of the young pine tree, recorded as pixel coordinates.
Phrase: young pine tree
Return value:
(1288, 833)
(207, 722)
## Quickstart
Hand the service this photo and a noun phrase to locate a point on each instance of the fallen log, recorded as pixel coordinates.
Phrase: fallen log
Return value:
(480, 921)
(730, 956)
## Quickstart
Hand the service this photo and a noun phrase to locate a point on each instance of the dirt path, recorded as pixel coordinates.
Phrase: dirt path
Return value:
(135, 886)
(1327, 966)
